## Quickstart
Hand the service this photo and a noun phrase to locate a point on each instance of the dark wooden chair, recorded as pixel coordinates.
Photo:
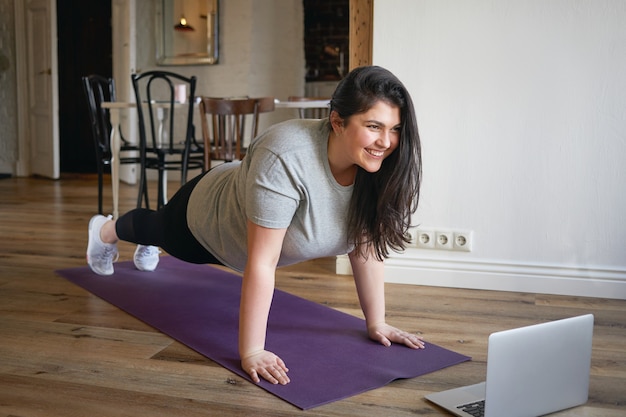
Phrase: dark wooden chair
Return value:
(99, 89)
(225, 128)
(166, 130)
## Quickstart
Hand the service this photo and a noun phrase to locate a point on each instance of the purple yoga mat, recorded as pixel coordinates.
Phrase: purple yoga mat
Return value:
(328, 352)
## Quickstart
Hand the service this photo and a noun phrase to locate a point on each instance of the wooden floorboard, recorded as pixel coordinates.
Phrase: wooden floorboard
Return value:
(65, 352)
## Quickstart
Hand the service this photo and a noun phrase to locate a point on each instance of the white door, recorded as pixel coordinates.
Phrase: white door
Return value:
(39, 121)
(124, 57)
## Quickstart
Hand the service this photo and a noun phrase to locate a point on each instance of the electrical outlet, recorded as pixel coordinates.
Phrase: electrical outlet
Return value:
(462, 241)
(444, 240)
(412, 236)
(424, 239)
(450, 240)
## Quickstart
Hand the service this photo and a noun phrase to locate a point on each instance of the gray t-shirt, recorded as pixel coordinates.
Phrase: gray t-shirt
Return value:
(283, 182)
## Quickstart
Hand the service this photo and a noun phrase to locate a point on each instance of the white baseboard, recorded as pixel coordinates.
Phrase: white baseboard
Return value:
(342, 265)
(542, 279)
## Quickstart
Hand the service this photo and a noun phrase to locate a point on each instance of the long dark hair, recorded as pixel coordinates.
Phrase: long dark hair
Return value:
(382, 202)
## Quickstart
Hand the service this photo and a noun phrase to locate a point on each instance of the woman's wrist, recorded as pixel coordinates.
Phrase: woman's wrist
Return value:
(372, 325)
(248, 354)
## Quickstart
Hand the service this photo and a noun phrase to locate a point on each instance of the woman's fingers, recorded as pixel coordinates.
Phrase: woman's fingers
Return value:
(254, 375)
(408, 339)
(386, 334)
(275, 375)
(382, 339)
(413, 341)
(268, 366)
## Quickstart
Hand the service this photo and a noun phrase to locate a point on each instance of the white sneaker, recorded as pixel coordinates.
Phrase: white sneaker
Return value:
(100, 255)
(146, 257)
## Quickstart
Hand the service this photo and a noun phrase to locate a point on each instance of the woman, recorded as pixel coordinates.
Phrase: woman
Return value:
(306, 189)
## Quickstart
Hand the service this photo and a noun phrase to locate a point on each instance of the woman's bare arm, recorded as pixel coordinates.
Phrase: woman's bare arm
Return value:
(369, 277)
(264, 248)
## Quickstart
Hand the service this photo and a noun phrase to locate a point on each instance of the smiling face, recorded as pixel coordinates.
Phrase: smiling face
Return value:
(363, 140)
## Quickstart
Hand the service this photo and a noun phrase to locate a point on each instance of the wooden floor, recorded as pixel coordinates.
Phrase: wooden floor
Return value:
(64, 352)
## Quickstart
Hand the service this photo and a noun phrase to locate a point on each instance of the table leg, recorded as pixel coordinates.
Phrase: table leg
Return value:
(115, 158)
(163, 138)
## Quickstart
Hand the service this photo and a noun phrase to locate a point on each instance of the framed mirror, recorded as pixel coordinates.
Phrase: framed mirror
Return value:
(187, 32)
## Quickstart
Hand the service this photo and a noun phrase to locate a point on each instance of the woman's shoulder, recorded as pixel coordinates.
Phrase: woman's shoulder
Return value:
(294, 135)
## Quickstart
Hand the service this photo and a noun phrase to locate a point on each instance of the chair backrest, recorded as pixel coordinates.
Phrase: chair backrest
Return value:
(165, 124)
(224, 125)
(99, 89)
(311, 112)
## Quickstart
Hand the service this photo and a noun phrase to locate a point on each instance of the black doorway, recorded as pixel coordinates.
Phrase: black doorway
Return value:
(84, 47)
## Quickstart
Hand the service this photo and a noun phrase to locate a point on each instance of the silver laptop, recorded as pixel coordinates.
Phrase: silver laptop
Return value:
(531, 371)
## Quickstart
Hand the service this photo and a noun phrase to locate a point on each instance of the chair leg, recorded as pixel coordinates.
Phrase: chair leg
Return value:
(183, 169)
(160, 196)
(161, 182)
(100, 187)
(146, 199)
(143, 189)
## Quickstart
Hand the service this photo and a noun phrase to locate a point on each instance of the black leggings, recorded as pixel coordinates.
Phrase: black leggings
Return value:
(166, 228)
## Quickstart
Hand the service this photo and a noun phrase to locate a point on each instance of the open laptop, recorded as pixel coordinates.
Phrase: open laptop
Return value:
(531, 371)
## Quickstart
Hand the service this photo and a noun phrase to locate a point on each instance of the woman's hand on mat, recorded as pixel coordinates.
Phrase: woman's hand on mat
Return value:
(266, 365)
(386, 334)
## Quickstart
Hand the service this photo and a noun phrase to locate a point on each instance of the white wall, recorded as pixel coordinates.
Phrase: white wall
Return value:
(522, 113)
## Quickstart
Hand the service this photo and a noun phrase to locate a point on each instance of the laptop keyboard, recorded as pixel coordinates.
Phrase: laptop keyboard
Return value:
(476, 408)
